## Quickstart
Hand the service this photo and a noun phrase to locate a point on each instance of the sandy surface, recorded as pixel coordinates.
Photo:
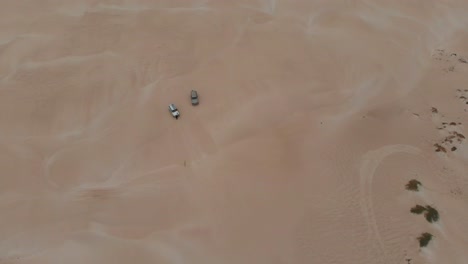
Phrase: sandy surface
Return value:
(313, 116)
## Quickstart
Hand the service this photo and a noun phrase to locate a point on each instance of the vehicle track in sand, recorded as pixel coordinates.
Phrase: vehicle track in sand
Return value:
(371, 160)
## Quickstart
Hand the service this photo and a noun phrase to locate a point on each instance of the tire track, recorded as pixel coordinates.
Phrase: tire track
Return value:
(369, 164)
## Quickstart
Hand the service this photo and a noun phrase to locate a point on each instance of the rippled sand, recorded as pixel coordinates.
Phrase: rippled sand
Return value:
(313, 116)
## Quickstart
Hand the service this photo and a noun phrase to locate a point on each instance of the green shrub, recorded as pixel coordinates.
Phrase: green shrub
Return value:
(418, 209)
(431, 214)
(413, 185)
(424, 239)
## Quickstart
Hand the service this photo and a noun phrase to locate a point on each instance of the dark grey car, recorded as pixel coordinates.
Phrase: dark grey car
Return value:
(194, 97)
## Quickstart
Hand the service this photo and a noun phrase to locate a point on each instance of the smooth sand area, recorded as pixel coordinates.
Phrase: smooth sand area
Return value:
(313, 116)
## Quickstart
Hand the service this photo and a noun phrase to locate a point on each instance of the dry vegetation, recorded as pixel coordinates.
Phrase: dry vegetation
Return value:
(452, 58)
(413, 185)
(424, 239)
(453, 138)
(451, 141)
(459, 135)
(431, 214)
(418, 209)
(440, 148)
(463, 95)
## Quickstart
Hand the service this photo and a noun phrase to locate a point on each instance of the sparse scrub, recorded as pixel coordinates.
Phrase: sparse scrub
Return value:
(431, 214)
(413, 185)
(424, 239)
(459, 135)
(418, 209)
(440, 148)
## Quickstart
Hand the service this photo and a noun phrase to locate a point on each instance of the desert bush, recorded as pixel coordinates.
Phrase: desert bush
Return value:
(459, 135)
(431, 214)
(424, 239)
(413, 185)
(440, 148)
(418, 209)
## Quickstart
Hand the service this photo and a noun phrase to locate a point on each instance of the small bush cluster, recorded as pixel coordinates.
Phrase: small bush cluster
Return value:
(413, 185)
(418, 209)
(430, 213)
(424, 239)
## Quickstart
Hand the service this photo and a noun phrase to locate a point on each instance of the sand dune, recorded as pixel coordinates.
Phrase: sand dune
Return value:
(313, 117)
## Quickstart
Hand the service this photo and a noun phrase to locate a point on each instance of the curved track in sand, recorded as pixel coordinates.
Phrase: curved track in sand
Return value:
(370, 162)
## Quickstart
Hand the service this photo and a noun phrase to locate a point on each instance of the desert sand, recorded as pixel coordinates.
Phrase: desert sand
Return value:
(313, 116)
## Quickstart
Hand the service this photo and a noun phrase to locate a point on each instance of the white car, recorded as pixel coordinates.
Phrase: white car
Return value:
(173, 109)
